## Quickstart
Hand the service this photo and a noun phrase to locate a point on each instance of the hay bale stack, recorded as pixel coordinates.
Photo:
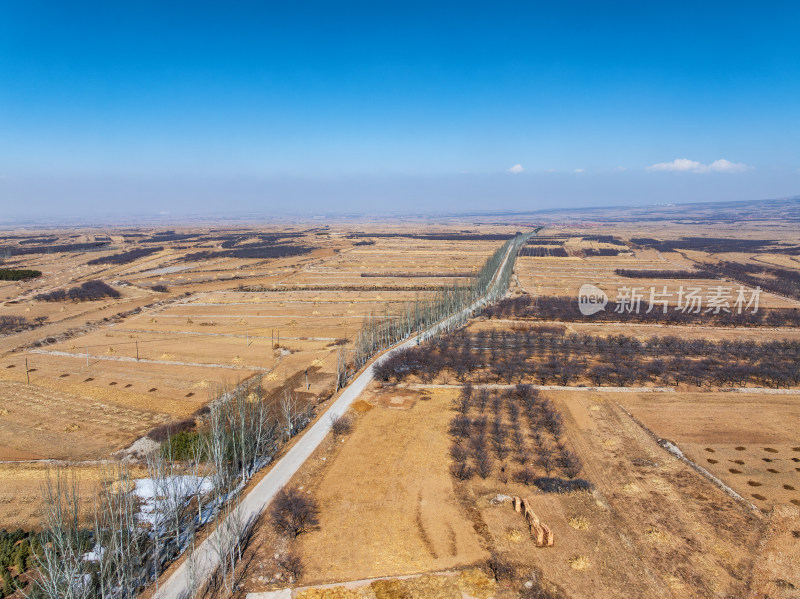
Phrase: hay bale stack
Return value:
(541, 533)
(538, 534)
(531, 517)
(549, 539)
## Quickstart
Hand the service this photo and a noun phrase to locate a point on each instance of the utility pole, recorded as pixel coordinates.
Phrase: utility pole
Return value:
(27, 374)
(307, 385)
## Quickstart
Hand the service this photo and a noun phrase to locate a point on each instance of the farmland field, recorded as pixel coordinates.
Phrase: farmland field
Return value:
(672, 436)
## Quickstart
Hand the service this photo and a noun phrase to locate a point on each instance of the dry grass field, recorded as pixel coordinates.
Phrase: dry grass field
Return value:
(749, 441)
(653, 525)
(394, 521)
(156, 356)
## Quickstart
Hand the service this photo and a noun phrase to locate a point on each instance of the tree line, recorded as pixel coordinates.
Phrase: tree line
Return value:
(260, 251)
(632, 273)
(126, 257)
(778, 280)
(88, 291)
(53, 249)
(714, 245)
(18, 274)
(464, 236)
(380, 331)
(543, 251)
(566, 309)
(547, 355)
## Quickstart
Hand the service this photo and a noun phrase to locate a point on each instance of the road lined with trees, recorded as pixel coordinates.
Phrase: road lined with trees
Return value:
(208, 558)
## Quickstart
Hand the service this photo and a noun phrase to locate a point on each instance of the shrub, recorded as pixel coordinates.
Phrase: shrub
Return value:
(340, 425)
(184, 446)
(13, 274)
(560, 485)
(164, 431)
(291, 563)
(10, 324)
(526, 475)
(499, 567)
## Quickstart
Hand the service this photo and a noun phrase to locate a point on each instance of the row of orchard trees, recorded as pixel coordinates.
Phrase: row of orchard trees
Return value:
(381, 331)
(136, 527)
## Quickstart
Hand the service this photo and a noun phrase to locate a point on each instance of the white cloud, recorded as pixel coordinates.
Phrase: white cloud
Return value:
(578, 170)
(725, 166)
(516, 169)
(679, 164)
(692, 166)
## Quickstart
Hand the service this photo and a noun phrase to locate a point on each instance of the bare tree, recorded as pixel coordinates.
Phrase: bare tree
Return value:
(340, 425)
(462, 470)
(484, 463)
(120, 541)
(63, 573)
(570, 463)
(518, 439)
(525, 475)
(546, 460)
(293, 512)
(193, 576)
(228, 540)
(458, 453)
(460, 427)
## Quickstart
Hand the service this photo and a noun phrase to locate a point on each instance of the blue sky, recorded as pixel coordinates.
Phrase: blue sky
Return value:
(384, 107)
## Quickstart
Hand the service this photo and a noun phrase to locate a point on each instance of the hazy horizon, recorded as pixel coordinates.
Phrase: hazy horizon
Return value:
(109, 111)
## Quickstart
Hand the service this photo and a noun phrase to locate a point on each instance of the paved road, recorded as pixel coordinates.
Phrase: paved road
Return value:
(206, 559)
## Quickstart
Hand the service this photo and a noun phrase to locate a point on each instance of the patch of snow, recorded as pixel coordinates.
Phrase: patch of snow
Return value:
(671, 447)
(156, 498)
(95, 554)
(500, 498)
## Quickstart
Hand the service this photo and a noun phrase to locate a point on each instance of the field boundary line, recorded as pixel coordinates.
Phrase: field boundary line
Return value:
(65, 354)
(675, 451)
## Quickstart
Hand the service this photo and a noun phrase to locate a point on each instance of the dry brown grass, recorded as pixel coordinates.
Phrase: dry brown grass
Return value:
(579, 522)
(579, 563)
(749, 435)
